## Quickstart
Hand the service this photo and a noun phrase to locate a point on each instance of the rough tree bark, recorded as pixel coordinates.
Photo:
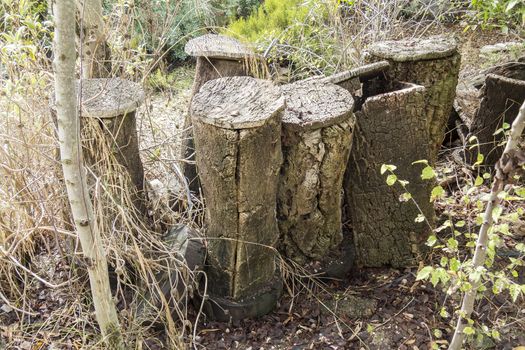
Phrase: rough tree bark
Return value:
(108, 123)
(433, 63)
(511, 159)
(390, 129)
(237, 124)
(96, 55)
(317, 136)
(75, 175)
(217, 56)
(501, 98)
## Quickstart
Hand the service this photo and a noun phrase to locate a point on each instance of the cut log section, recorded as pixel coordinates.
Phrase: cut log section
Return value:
(433, 63)
(468, 97)
(317, 131)
(501, 98)
(108, 123)
(237, 124)
(391, 128)
(217, 56)
(108, 127)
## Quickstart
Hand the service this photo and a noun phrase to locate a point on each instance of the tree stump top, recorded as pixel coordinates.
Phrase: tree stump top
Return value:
(217, 46)
(414, 49)
(313, 104)
(369, 70)
(109, 98)
(237, 102)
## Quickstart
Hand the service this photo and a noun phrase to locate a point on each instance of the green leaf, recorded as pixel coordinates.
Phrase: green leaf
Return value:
(405, 197)
(391, 179)
(515, 291)
(421, 161)
(479, 159)
(388, 167)
(460, 223)
(437, 192)
(496, 213)
(452, 243)
(428, 173)
(424, 273)
(454, 264)
(495, 334)
(420, 218)
(469, 330)
(479, 181)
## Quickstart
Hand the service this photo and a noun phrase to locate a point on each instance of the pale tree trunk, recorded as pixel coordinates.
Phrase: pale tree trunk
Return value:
(95, 53)
(509, 161)
(75, 175)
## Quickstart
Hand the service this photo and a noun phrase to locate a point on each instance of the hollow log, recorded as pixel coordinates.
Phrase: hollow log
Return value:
(217, 56)
(501, 98)
(352, 79)
(391, 128)
(237, 124)
(317, 132)
(433, 63)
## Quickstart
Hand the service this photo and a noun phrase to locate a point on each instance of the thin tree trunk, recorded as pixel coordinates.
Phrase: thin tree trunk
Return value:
(75, 176)
(96, 56)
(506, 165)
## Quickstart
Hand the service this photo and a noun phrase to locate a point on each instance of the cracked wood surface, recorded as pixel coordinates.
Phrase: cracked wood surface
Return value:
(501, 98)
(433, 63)
(237, 124)
(390, 129)
(317, 135)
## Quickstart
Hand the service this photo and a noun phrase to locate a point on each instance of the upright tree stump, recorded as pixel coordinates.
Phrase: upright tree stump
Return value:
(433, 63)
(391, 128)
(109, 129)
(317, 136)
(237, 124)
(217, 56)
(501, 97)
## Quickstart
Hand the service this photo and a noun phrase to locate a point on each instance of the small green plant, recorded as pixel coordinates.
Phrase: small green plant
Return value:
(503, 14)
(454, 241)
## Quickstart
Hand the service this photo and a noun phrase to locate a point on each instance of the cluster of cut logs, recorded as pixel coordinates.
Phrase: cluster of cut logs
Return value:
(281, 167)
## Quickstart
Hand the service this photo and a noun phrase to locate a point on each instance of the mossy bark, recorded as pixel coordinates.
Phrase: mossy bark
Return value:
(391, 129)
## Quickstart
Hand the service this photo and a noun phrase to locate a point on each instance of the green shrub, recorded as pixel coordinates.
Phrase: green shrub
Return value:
(505, 14)
(301, 27)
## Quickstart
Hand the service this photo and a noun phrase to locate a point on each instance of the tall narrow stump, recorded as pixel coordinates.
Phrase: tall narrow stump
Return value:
(433, 63)
(391, 129)
(317, 130)
(217, 56)
(109, 125)
(501, 98)
(237, 123)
